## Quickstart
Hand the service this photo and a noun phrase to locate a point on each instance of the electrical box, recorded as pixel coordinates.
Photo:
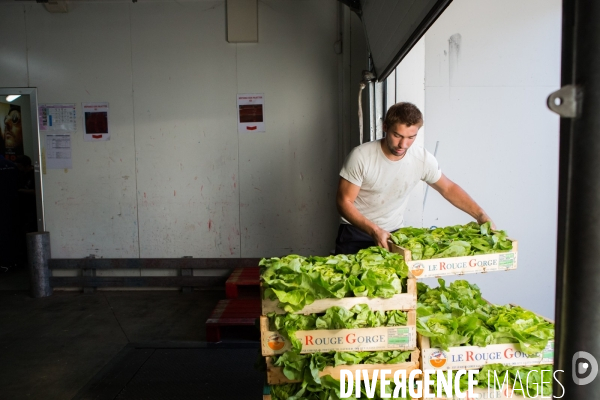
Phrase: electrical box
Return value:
(242, 21)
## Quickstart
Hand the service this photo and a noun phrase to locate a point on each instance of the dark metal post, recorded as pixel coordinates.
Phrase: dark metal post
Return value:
(38, 254)
(578, 258)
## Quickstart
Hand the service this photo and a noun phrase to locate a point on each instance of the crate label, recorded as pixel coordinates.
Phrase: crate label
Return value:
(472, 357)
(399, 336)
(360, 339)
(506, 260)
(463, 265)
(548, 353)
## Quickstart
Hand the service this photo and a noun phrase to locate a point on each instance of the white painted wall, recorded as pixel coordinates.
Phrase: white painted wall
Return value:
(176, 179)
(485, 102)
(409, 85)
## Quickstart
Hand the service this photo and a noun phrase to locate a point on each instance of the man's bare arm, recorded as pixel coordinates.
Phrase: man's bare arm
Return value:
(346, 195)
(461, 199)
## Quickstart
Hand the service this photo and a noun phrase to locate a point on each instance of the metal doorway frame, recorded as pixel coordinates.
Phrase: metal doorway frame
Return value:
(37, 153)
(578, 250)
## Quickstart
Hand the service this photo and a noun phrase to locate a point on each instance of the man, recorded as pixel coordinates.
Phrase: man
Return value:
(377, 178)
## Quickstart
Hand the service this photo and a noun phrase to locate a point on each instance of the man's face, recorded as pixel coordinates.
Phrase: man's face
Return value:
(399, 138)
(12, 135)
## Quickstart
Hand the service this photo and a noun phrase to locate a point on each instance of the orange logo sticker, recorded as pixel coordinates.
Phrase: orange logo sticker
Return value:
(276, 342)
(437, 359)
(417, 269)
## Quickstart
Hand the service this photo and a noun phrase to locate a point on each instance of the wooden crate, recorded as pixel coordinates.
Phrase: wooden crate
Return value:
(275, 375)
(475, 357)
(359, 339)
(466, 357)
(437, 267)
(402, 301)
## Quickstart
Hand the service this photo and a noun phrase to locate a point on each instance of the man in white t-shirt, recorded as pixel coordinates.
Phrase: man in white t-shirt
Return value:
(377, 178)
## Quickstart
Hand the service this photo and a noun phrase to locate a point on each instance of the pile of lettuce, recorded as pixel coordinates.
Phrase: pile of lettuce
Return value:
(297, 281)
(451, 241)
(456, 315)
(525, 381)
(306, 367)
(328, 389)
(359, 316)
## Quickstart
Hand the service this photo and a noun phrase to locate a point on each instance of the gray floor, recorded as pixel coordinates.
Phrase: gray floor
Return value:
(52, 347)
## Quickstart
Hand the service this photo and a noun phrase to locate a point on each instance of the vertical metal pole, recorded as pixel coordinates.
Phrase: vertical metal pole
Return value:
(568, 22)
(372, 117)
(379, 110)
(38, 254)
(578, 284)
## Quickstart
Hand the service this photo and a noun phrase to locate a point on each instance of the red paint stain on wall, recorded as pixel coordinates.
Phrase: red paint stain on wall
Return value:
(209, 224)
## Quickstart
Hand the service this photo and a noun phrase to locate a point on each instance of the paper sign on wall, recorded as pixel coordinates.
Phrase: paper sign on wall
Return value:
(251, 108)
(57, 118)
(95, 122)
(58, 151)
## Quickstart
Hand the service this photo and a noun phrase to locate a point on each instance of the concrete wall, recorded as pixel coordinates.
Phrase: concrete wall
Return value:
(176, 179)
(489, 67)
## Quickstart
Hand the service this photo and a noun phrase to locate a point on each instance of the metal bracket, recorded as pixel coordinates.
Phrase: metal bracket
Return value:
(564, 101)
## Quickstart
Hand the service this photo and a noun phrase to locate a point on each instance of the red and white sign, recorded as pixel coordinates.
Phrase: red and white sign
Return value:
(251, 112)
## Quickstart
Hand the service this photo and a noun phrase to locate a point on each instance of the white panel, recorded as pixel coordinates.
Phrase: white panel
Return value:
(83, 56)
(410, 87)
(242, 21)
(13, 49)
(289, 174)
(485, 100)
(512, 39)
(186, 132)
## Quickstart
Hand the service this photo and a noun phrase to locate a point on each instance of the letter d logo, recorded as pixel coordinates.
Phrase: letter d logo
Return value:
(581, 368)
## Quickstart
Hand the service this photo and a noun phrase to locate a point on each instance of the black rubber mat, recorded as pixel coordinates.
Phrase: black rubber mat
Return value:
(171, 372)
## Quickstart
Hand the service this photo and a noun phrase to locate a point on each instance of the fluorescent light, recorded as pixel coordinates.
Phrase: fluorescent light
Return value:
(12, 97)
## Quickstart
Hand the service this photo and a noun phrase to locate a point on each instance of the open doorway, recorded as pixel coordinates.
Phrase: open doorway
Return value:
(21, 203)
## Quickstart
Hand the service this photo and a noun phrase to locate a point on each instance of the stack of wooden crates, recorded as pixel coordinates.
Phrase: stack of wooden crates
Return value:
(402, 338)
(360, 339)
(472, 357)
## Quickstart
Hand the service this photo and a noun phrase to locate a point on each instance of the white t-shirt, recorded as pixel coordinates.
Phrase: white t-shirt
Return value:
(386, 184)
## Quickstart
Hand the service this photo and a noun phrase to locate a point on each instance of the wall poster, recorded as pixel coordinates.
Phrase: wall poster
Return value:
(251, 112)
(59, 118)
(58, 151)
(95, 122)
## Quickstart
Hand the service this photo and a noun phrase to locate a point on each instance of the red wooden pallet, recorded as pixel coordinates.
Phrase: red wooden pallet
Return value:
(242, 277)
(231, 312)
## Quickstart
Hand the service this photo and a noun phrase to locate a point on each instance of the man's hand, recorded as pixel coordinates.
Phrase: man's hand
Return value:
(482, 219)
(381, 238)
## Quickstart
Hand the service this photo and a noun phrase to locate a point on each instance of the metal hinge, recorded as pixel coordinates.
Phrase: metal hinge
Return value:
(564, 101)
